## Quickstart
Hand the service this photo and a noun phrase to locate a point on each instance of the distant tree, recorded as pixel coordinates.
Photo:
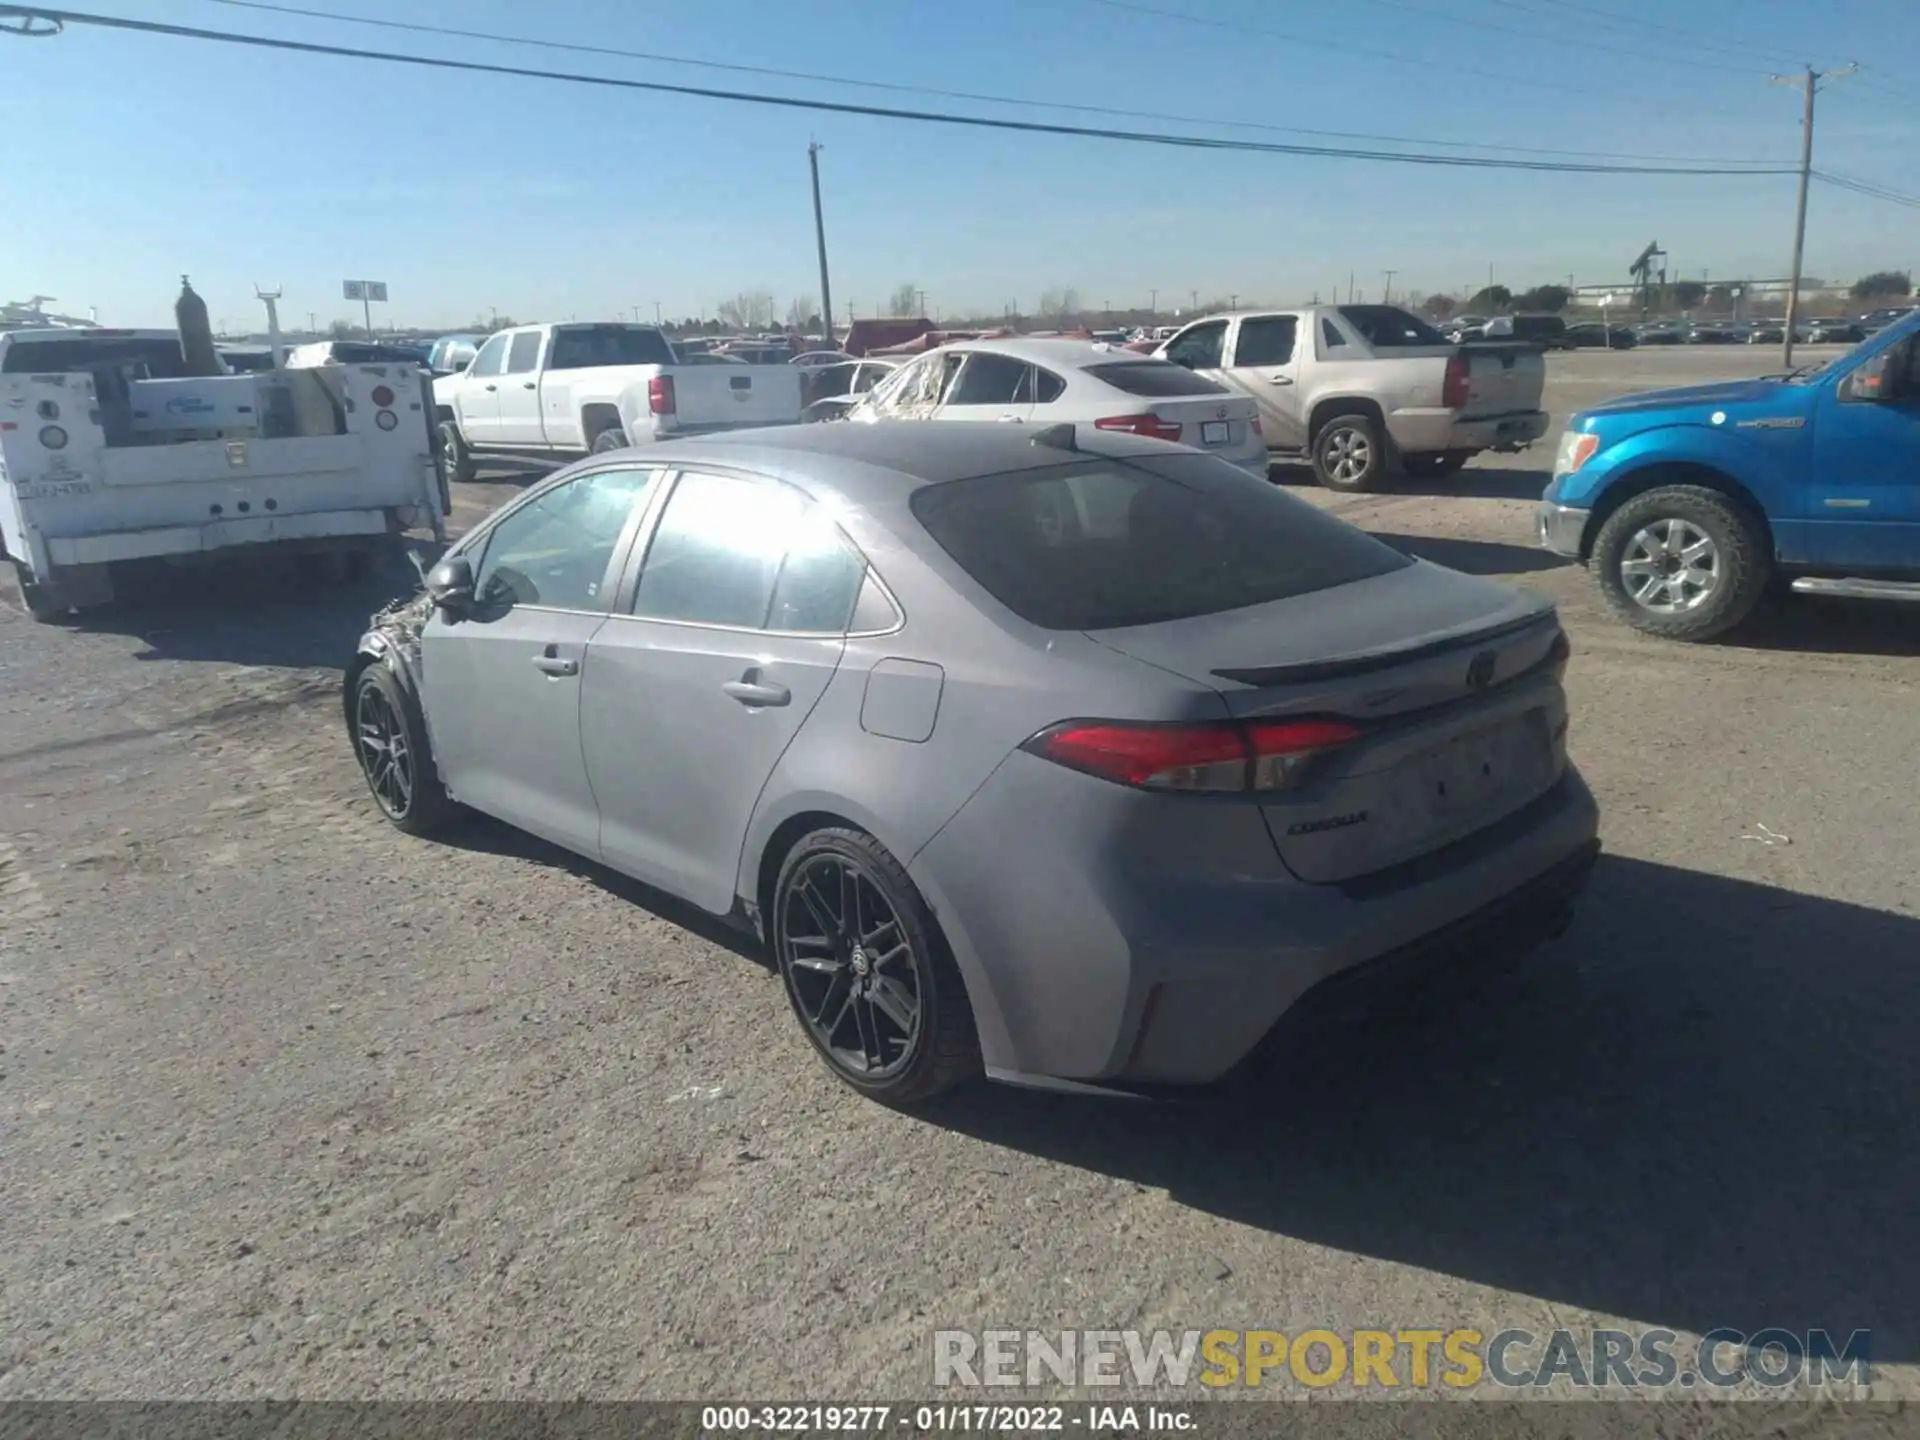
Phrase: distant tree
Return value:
(1883, 285)
(749, 310)
(1687, 294)
(1550, 299)
(803, 314)
(1439, 307)
(1492, 297)
(343, 330)
(1720, 297)
(1059, 305)
(905, 300)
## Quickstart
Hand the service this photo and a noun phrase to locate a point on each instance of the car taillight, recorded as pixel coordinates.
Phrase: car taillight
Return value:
(1257, 755)
(660, 395)
(1559, 653)
(383, 397)
(1454, 390)
(1254, 425)
(1151, 426)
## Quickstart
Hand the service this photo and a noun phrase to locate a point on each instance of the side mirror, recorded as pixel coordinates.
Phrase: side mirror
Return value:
(450, 586)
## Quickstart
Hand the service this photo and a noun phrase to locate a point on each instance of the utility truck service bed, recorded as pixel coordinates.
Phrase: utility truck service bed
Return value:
(110, 451)
(557, 392)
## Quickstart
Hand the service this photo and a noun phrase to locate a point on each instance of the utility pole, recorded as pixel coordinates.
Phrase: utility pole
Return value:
(1349, 287)
(1153, 306)
(1233, 301)
(923, 303)
(656, 312)
(1196, 299)
(1386, 296)
(1809, 84)
(820, 238)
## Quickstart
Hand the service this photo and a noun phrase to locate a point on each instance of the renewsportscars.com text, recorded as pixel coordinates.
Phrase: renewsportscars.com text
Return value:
(1412, 1359)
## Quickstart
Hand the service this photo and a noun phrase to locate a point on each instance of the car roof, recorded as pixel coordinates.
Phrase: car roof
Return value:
(1069, 354)
(874, 459)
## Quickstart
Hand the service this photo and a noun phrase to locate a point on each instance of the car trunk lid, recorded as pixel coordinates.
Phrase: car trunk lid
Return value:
(1461, 715)
(1503, 377)
(726, 397)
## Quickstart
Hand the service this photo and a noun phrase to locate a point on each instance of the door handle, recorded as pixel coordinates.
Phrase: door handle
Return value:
(753, 692)
(493, 387)
(1010, 419)
(1279, 379)
(555, 664)
(526, 384)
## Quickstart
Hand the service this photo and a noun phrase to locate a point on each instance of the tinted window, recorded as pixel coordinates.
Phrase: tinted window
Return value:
(989, 380)
(492, 356)
(1095, 546)
(348, 353)
(580, 347)
(1049, 387)
(524, 353)
(1266, 341)
(1200, 347)
(1330, 335)
(717, 551)
(820, 580)
(1386, 327)
(1154, 378)
(554, 549)
(153, 359)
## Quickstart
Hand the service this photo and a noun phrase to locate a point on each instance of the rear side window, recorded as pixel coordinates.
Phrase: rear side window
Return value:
(1266, 341)
(581, 347)
(988, 379)
(1156, 379)
(1105, 545)
(1388, 327)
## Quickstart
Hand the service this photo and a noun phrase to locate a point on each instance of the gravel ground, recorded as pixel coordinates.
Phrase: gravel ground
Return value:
(291, 1105)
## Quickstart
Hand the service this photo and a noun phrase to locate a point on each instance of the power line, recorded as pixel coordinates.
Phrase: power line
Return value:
(1868, 188)
(1585, 45)
(1423, 62)
(1612, 20)
(790, 102)
(538, 42)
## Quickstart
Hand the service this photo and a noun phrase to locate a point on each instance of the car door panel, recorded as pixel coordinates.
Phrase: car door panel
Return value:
(1263, 363)
(690, 703)
(520, 421)
(989, 387)
(1863, 499)
(502, 683)
(477, 399)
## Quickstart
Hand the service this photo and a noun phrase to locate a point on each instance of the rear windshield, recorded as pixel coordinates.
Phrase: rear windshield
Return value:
(1106, 544)
(1158, 379)
(161, 358)
(1387, 327)
(348, 353)
(580, 347)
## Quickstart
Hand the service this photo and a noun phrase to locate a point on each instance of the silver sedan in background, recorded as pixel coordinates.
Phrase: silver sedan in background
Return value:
(1071, 756)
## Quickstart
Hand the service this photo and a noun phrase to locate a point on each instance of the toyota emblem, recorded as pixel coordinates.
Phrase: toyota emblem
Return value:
(1221, 413)
(1480, 670)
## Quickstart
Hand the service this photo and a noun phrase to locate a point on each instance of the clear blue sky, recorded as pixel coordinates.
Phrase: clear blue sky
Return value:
(133, 159)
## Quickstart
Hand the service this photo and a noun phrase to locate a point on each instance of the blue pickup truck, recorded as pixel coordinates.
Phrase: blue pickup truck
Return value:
(1687, 504)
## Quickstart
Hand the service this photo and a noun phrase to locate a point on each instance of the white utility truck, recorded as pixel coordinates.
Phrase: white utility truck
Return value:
(557, 392)
(112, 450)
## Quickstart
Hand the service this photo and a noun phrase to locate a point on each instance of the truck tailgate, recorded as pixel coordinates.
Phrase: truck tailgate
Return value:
(710, 397)
(1503, 378)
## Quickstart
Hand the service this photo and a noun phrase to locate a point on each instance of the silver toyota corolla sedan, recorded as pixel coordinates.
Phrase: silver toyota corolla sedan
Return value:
(1075, 757)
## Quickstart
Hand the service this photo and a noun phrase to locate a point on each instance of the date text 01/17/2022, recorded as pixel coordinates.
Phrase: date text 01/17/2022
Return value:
(941, 1419)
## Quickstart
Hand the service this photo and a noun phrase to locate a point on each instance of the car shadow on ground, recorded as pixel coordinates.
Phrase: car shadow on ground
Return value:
(1824, 625)
(1694, 1110)
(1474, 557)
(274, 613)
(484, 835)
(1475, 482)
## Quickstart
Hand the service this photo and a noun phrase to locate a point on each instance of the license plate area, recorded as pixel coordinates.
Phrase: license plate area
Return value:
(1213, 432)
(1471, 774)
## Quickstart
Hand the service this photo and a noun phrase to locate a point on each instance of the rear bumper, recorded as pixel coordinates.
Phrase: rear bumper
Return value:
(1430, 431)
(1168, 967)
(101, 549)
(1562, 528)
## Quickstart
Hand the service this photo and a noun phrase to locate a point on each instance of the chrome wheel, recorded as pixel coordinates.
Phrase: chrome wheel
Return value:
(380, 740)
(849, 967)
(1670, 566)
(1347, 455)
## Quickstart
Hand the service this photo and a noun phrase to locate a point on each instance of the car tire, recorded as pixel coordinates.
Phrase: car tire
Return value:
(1641, 563)
(1442, 462)
(459, 466)
(42, 602)
(847, 997)
(1349, 453)
(407, 788)
(610, 439)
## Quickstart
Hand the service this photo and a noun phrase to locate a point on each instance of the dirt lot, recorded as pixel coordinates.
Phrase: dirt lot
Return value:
(293, 1105)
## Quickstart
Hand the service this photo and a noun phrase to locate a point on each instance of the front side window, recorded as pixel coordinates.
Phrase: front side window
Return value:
(1200, 348)
(1097, 546)
(554, 549)
(524, 353)
(492, 356)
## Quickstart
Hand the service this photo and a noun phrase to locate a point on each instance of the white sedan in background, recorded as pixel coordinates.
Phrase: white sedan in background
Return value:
(1077, 382)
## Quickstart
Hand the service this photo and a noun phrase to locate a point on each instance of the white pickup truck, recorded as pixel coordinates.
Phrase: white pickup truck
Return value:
(556, 392)
(1361, 391)
(110, 452)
